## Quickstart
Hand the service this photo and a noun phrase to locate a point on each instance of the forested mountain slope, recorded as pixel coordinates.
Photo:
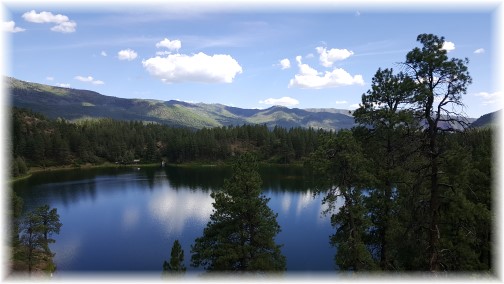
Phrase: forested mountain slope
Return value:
(73, 104)
(486, 120)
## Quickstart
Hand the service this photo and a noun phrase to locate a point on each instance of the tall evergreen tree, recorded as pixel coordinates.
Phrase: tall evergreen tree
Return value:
(388, 125)
(176, 264)
(36, 228)
(441, 82)
(343, 174)
(240, 235)
(50, 223)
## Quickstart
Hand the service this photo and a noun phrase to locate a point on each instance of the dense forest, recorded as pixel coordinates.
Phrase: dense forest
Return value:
(41, 142)
(416, 196)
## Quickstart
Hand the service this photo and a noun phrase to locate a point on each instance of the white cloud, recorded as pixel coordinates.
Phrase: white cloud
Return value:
(10, 27)
(491, 98)
(448, 46)
(127, 54)
(49, 78)
(340, 102)
(312, 79)
(44, 17)
(103, 53)
(283, 101)
(357, 13)
(89, 79)
(217, 68)
(163, 53)
(63, 85)
(285, 63)
(328, 57)
(170, 44)
(64, 25)
(479, 51)
(305, 69)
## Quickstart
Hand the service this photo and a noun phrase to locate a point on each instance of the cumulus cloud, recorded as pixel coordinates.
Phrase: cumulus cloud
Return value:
(328, 57)
(448, 46)
(170, 44)
(63, 85)
(340, 102)
(65, 27)
(127, 54)
(491, 98)
(89, 79)
(103, 53)
(283, 101)
(312, 79)
(10, 27)
(200, 67)
(479, 51)
(44, 17)
(64, 24)
(285, 63)
(49, 78)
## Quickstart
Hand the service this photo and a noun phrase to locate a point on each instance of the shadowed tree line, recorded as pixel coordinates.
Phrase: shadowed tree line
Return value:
(40, 142)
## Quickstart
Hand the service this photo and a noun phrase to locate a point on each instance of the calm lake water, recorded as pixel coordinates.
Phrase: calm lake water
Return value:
(127, 219)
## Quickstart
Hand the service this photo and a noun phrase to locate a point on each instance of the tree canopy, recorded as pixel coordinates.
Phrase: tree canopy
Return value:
(240, 235)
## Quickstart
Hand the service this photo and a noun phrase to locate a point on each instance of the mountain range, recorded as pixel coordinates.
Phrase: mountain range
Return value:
(74, 104)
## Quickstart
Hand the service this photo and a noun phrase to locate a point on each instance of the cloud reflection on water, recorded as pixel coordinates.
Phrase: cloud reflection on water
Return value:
(176, 209)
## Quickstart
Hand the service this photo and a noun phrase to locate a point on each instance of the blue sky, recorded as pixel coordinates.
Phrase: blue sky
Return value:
(249, 58)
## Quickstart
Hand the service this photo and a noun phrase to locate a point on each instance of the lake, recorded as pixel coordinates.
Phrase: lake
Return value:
(126, 219)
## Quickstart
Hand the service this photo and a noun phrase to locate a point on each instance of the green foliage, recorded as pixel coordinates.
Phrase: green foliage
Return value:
(407, 190)
(73, 104)
(36, 229)
(345, 172)
(176, 264)
(38, 141)
(241, 231)
(441, 82)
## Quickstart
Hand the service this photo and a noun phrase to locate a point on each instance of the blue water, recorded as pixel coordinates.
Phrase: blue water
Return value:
(117, 220)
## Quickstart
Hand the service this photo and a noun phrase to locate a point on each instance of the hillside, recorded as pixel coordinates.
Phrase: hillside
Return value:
(74, 104)
(487, 120)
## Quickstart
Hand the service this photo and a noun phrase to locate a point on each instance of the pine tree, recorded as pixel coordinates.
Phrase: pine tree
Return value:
(36, 229)
(176, 264)
(240, 235)
(343, 172)
(441, 82)
(388, 126)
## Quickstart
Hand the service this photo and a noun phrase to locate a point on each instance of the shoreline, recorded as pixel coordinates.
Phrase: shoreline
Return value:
(34, 170)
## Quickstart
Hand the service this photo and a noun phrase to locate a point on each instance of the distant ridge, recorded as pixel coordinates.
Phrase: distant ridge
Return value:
(487, 120)
(74, 104)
